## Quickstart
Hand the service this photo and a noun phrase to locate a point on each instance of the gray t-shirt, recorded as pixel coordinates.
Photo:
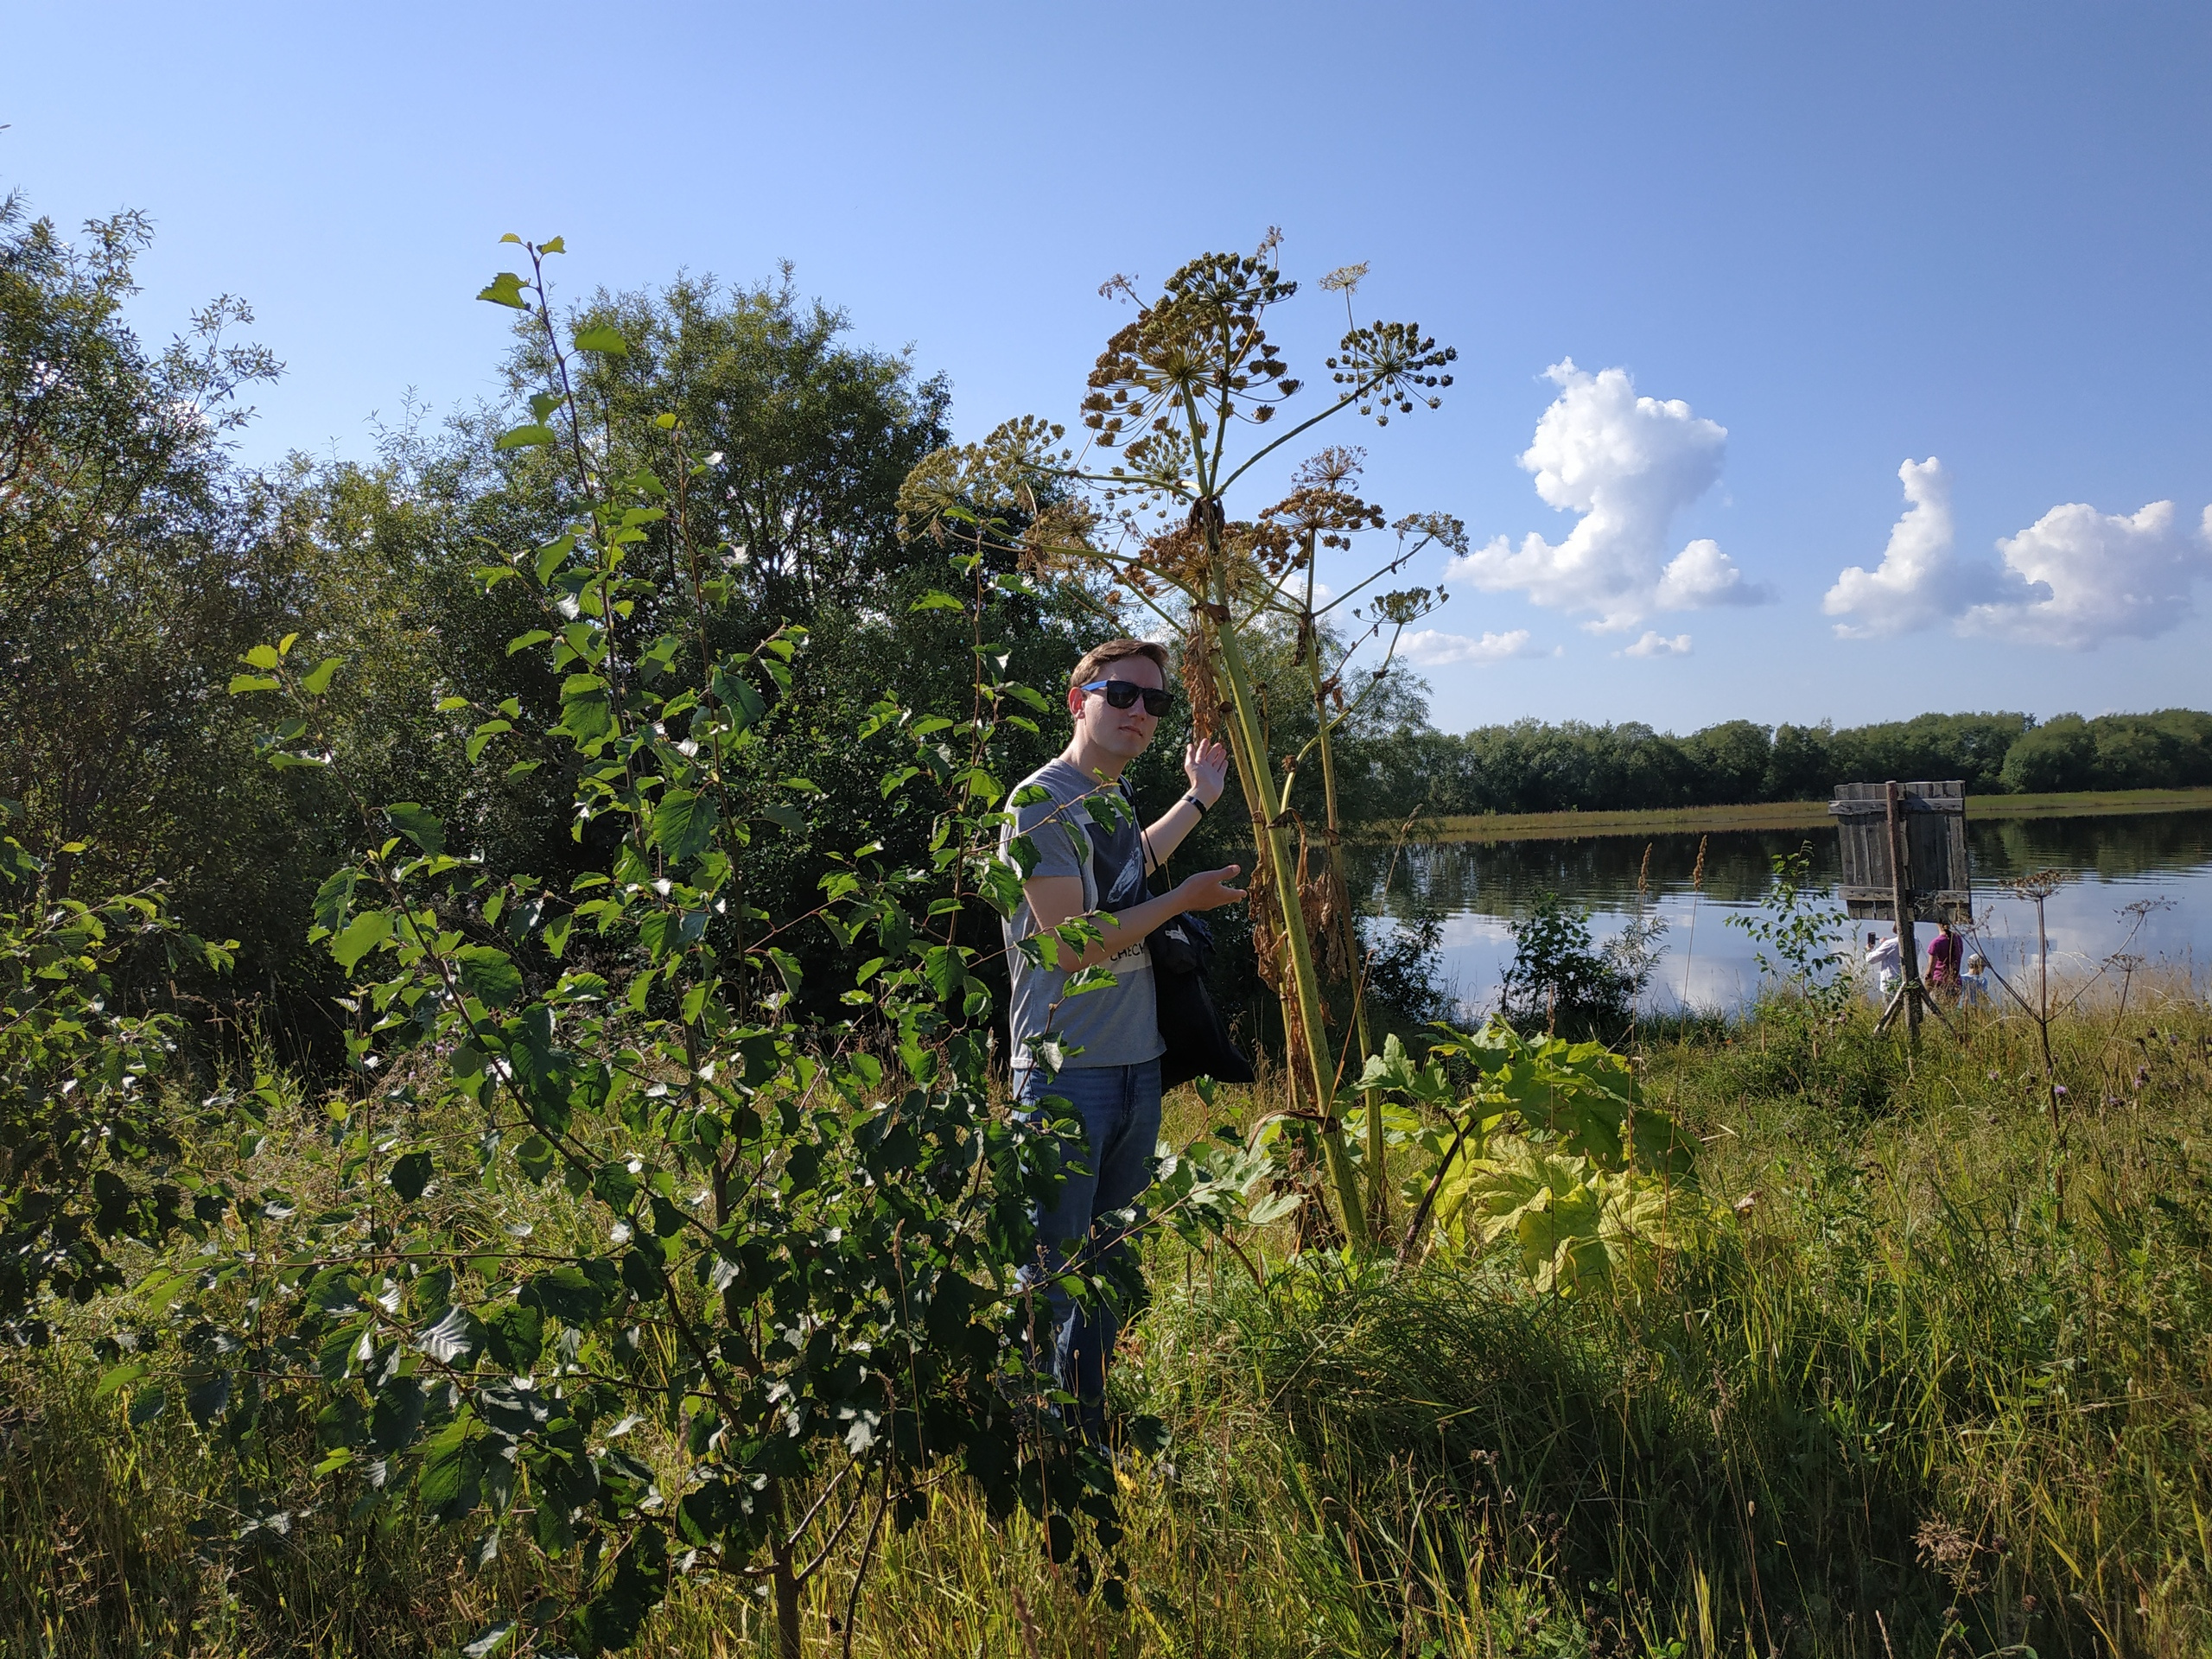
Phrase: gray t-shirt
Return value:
(1116, 1025)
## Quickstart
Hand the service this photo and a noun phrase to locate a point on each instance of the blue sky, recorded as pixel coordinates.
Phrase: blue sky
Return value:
(1787, 249)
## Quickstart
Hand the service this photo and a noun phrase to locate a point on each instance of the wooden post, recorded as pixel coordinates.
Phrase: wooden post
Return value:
(1900, 889)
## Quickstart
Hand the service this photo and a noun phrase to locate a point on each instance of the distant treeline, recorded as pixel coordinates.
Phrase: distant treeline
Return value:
(1532, 765)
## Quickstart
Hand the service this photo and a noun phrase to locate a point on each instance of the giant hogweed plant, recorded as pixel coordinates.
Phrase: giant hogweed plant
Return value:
(1544, 1147)
(793, 1304)
(1180, 410)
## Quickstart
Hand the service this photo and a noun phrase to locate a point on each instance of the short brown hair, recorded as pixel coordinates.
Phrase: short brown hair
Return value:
(1101, 657)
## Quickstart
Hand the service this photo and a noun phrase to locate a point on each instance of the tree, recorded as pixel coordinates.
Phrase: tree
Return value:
(1969, 747)
(1732, 759)
(89, 1152)
(1801, 764)
(807, 437)
(2059, 754)
(134, 563)
(804, 1237)
(1560, 981)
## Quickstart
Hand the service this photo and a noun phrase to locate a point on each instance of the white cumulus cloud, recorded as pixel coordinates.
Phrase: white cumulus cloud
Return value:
(2083, 577)
(2074, 578)
(1432, 648)
(1629, 466)
(1919, 581)
(1656, 644)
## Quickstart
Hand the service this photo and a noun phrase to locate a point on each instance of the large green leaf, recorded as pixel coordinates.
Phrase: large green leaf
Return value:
(505, 288)
(334, 898)
(447, 1486)
(666, 931)
(116, 1376)
(410, 1174)
(535, 1155)
(606, 340)
(586, 714)
(513, 1335)
(451, 1338)
(684, 823)
(945, 967)
(425, 829)
(570, 1293)
(737, 695)
(489, 974)
(363, 934)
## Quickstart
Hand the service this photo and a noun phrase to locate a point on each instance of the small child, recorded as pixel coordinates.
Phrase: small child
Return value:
(1973, 984)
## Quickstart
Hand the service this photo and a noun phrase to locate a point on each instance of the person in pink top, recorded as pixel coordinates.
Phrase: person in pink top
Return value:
(1944, 952)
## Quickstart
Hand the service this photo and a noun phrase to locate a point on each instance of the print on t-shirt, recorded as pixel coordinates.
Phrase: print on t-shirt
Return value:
(1108, 1026)
(1117, 866)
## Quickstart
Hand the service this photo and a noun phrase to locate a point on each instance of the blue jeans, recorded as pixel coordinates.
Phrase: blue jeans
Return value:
(1119, 1109)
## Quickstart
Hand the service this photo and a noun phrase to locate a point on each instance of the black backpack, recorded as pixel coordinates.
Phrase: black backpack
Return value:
(1197, 1040)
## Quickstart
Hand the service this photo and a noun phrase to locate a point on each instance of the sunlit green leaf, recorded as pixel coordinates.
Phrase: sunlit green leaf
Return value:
(505, 288)
(945, 968)
(116, 1376)
(363, 934)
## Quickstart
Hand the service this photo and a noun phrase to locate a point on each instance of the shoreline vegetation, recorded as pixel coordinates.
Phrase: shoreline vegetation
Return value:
(1776, 815)
(1892, 1399)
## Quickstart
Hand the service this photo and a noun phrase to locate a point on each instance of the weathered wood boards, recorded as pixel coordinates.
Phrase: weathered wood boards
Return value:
(1938, 881)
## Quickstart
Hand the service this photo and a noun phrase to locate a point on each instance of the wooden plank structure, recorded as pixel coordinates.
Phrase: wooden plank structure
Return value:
(1939, 883)
(1904, 856)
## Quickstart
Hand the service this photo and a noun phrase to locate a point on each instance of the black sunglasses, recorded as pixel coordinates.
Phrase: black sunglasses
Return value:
(1119, 694)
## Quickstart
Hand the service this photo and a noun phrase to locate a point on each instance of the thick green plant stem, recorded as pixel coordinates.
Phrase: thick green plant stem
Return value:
(1268, 811)
(1378, 1189)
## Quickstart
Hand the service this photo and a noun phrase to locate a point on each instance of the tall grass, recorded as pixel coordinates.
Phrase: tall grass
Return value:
(1893, 1407)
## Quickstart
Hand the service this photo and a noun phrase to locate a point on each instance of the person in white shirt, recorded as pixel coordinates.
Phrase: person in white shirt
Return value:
(1882, 962)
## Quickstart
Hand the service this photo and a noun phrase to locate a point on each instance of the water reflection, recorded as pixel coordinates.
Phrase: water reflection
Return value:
(2113, 863)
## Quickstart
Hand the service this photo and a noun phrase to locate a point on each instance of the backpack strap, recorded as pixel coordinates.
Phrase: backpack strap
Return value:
(1079, 816)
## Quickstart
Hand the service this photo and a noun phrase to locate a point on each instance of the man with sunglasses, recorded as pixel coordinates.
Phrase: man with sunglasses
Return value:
(1086, 855)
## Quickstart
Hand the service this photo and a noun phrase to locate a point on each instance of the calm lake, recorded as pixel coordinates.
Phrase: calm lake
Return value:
(2113, 863)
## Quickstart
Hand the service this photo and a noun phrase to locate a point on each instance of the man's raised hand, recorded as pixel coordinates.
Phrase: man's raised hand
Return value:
(1208, 889)
(1206, 765)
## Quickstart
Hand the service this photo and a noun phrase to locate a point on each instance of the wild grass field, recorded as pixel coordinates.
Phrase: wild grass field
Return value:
(1894, 1404)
